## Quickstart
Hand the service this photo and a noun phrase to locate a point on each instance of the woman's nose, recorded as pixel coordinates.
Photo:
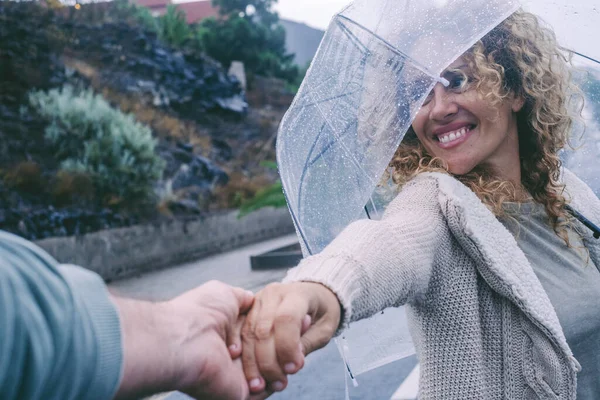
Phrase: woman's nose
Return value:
(442, 104)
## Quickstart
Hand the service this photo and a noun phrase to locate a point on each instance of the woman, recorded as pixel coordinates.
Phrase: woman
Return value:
(501, 283)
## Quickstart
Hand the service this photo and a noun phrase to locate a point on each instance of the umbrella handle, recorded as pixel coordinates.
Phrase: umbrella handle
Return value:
(593, 227)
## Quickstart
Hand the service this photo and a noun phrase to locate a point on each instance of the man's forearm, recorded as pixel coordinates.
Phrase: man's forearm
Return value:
(150, 334)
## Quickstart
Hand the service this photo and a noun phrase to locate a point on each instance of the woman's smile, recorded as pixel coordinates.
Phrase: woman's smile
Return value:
(453, 135)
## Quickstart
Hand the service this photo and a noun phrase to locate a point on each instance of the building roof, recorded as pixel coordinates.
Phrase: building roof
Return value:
(197, 10)
(152, 3)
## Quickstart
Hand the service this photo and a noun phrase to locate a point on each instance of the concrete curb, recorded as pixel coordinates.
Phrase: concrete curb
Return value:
(123, 252)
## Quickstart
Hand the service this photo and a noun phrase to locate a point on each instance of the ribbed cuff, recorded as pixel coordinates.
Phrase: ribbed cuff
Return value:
(340, 274)
(92, 294)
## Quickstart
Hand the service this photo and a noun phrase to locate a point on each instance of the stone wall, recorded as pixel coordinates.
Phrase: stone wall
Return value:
(122, 252)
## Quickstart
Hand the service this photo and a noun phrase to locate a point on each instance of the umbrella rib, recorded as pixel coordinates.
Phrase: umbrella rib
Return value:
(352, 36)
(392, 48)
(319, 84)
(317, 102)
(343, 145)
(312, 148)
(584, 56)
(297, 223)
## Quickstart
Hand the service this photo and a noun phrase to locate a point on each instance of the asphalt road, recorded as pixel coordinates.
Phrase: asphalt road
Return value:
(323, 379)
(323, 376)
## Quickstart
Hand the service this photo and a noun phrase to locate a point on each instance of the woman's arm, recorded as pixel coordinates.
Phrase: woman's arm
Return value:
(373, 265)
(370, 266)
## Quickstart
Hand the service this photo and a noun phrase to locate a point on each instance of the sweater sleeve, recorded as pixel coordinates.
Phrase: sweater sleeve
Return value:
(373, 265)
(59, 331)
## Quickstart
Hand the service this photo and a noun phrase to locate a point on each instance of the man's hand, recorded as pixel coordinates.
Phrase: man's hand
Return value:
(191, 344)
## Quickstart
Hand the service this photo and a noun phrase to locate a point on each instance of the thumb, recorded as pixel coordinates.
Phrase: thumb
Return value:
(316, 337)
(245, 299)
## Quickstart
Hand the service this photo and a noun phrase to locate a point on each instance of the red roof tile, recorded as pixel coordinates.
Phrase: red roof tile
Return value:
(152, 3)
(197, 10)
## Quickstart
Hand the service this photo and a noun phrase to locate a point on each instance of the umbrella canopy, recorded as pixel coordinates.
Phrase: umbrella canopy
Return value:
(376, 64)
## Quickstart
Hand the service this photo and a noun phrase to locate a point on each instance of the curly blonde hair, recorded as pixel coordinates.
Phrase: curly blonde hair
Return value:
(519, 57)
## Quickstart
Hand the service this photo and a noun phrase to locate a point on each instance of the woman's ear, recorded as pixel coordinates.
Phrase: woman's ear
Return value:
(518, 103)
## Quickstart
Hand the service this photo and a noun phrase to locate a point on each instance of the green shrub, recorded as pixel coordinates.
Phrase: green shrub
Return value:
(145, 18)
(91, 137)
(173, 27)
(271, 196)
(260, 47)
(123, 10)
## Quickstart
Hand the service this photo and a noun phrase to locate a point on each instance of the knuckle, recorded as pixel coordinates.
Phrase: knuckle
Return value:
(314, 344)
(284, 319)
(248, 360)
(270, 370)
(248, 333)
(287, 351)
(263, 330)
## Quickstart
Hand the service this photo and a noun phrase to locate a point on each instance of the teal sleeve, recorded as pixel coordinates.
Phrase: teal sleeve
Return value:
(59, 331)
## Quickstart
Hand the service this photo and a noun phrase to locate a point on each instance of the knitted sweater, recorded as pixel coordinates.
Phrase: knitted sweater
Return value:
(482, 324)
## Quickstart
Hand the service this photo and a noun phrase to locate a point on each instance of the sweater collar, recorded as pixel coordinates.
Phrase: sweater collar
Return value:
(499, 259)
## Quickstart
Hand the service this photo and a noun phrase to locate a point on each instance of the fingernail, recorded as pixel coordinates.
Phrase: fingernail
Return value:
(233, 347)
(255, 383)
(250, 293)
(277, 386)
(289, 368)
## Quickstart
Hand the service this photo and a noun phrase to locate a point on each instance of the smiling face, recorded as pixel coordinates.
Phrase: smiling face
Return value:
(459, 126)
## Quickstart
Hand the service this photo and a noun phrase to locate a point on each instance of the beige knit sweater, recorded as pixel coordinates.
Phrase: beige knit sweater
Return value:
(482, 324)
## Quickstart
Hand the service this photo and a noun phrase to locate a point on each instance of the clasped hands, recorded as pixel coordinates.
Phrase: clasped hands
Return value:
(286, 323)
(220, 342)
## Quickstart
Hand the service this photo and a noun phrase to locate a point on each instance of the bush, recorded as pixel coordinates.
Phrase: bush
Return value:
(259, 46)
(123, 10)
(92, 138)
(173, 27)
(270, 196)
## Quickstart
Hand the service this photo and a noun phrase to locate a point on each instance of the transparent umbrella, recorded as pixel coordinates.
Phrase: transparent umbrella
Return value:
(376, 64)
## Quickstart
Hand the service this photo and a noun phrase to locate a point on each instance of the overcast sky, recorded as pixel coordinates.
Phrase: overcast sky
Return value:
(577, 22)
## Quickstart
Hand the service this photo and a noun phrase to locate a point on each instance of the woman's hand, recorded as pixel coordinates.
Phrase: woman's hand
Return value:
(286, 322)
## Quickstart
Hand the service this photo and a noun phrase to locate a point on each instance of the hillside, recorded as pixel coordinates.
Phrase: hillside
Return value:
(210, 136)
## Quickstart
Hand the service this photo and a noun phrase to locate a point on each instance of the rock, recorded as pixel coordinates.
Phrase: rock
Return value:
(185, 206)
(237, 104)
(238, 71)
(185, 146)
(184, 157)
(201, 173)
(221, 150)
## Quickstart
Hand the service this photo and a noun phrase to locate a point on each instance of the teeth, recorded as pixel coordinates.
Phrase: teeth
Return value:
(449, 137)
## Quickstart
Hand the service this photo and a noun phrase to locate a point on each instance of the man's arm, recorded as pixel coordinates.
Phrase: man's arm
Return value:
(62, 336)
(59, 331)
